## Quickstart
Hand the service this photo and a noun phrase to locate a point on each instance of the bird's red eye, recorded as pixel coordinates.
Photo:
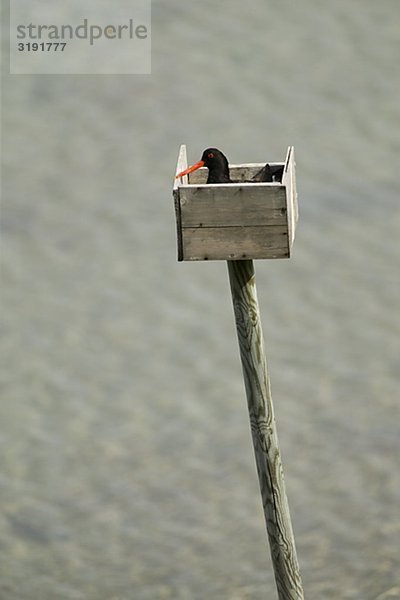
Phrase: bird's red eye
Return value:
(210, 155)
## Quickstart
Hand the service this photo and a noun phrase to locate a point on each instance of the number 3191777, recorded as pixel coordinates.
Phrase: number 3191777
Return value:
(42, 46)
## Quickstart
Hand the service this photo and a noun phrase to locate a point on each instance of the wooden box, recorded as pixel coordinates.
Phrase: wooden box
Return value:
(235, 221)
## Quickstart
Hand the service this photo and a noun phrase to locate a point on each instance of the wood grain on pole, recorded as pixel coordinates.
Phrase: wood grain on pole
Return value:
(263, 429)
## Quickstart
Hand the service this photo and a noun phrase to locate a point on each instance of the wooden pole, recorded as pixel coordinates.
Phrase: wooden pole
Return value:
(263, 429)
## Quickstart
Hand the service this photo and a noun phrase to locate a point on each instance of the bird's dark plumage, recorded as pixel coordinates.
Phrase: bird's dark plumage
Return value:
(268, 173)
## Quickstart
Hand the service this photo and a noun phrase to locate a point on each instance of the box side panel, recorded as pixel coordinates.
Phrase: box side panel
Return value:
(235, 243)
(181, 165)
(244, 172)
(294, 205)
(233, 206)
(178, 220)
(289, 180)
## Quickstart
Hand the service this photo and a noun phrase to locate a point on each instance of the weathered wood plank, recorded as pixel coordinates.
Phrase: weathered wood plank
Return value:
(181, 166)
(289, 181)
(234, 243)
(294, 193)
(263, 429)
(229, 206)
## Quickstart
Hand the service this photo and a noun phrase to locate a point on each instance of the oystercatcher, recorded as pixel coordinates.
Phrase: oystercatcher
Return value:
(218, 169)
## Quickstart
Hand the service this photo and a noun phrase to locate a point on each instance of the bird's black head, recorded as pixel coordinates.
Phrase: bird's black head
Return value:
(217, 164)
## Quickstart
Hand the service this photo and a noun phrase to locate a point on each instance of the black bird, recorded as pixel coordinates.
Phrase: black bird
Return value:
(216, 163)
(218, 169)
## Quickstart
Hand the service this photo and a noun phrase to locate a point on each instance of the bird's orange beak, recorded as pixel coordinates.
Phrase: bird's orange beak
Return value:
(191, 169)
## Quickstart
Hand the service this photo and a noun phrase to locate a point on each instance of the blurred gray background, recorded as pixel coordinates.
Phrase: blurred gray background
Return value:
(127, 469)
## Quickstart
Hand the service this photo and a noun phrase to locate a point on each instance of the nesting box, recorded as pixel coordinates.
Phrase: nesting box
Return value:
(236, 221)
